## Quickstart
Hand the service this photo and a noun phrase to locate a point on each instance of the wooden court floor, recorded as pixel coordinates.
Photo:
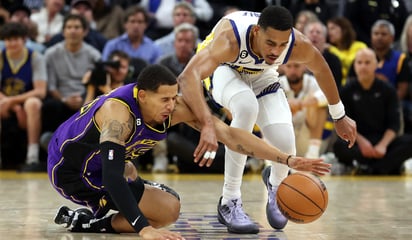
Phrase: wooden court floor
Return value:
(359, 208)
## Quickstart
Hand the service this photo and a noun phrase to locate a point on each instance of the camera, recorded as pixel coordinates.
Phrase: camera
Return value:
(99, 73)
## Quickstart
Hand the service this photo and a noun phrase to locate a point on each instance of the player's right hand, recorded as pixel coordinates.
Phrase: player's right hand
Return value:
(207, 143)
(151, 233)
(346, 129)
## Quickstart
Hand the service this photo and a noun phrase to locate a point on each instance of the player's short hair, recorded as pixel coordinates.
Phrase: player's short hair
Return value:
(13, 30)
(276, 17)
(153, 76)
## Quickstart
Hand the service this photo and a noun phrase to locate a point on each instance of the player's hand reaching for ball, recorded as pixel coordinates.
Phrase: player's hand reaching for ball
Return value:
(316, 166)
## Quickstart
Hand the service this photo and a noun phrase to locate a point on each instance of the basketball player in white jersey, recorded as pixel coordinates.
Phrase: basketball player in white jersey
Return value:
(242, 55)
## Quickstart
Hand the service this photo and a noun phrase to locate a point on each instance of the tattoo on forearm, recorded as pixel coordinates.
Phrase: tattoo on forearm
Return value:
(241, 149)
(279, 160)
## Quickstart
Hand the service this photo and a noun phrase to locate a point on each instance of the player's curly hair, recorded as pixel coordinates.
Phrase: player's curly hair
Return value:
(153, 76)
(276, 17)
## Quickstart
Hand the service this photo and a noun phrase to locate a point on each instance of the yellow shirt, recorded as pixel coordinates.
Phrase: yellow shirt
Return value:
(347, 56)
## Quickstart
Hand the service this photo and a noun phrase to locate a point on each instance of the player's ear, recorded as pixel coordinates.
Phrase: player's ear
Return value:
(141, 95)
(256, 28)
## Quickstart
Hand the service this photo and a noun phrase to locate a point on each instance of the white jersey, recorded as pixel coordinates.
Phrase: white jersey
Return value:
(247, 61)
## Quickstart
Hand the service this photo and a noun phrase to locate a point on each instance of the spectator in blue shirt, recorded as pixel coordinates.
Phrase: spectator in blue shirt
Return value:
(134, 41)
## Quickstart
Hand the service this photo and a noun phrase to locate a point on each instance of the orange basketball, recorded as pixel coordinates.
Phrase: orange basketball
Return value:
(302, 197)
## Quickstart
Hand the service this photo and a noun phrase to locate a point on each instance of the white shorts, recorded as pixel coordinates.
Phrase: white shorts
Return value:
(273, 107)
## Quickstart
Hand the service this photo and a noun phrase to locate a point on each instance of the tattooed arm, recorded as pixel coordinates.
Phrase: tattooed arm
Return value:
(116, 125)
(246, 143)
(115, 122)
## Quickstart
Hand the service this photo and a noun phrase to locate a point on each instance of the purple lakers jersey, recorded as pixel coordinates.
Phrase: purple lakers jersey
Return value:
(75, 144)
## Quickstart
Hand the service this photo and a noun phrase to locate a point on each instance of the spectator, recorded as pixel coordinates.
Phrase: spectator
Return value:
(186, 36)
(308, 105)
(343, 42)
(162, 14)
(362, 14)
(108, 76)
(134, 41)
(183, 12)
(303, 18)
(67, 63)
(374, 105)
(49, 20)
(23, 85)
(392, 66)
(108, 18)
(317, 34)
(21, 14)
(93, 37)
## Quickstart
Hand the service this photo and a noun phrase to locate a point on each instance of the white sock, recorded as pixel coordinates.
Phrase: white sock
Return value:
(313, 148)
(278, 173)
(32, 153)
(231, 190)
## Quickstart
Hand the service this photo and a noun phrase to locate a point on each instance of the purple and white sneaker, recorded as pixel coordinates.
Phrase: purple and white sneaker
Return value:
(275, 218)
(235, 219)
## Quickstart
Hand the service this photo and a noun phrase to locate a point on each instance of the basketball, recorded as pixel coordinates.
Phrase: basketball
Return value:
(302, 197)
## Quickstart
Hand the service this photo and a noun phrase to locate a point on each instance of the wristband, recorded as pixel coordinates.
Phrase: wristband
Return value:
(287, 160)
(337, 111)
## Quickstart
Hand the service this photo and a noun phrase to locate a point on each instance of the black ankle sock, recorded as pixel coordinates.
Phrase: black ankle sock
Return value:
(102, 225)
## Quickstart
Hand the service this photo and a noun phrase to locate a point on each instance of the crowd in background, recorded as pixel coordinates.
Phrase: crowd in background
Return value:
(57, 55)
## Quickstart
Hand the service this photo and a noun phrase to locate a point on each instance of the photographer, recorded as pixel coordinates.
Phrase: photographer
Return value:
(107, 76)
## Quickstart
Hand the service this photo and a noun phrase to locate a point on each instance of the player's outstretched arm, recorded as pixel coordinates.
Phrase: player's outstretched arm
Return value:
(244, 142)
